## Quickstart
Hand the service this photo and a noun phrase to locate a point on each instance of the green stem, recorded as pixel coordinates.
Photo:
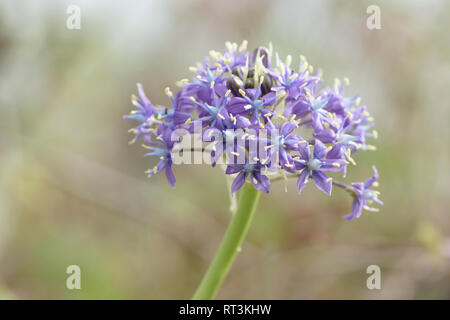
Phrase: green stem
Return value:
(230, 245)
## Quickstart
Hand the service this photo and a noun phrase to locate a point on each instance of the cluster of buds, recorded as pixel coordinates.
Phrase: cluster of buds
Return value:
(262, 119)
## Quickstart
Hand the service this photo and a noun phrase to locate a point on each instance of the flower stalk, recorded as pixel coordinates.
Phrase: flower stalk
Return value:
(230, 245)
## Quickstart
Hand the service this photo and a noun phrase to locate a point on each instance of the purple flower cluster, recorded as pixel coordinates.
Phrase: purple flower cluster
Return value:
(299, 127)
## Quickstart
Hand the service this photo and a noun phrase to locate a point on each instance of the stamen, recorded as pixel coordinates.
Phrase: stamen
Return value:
(288, 60)
(375, 134)
(349, 152)
(277, 59)
(282, 94)
(243, 46)
(215, 55)
(134, 100)
(371, 209)
(304, 67)
(337, 82)
(282, 68)
(350, 115)
(145, 130)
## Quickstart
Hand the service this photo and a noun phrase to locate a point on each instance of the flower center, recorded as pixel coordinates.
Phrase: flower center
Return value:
(248, 167)
(314, 164)
(369, 195)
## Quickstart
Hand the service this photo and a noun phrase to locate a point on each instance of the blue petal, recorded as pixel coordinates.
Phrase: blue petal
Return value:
(322, 181)
(302, 180)
(238, 181)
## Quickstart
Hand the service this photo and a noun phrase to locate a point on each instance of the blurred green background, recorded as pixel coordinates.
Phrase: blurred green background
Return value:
(72, 191)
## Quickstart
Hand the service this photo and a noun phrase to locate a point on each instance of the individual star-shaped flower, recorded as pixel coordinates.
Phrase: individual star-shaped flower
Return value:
(258, 180)
(145, 115)
(315, 164)
(315, 105)
(252, 101)
(282, 142)
(364, 196)
(162, 148)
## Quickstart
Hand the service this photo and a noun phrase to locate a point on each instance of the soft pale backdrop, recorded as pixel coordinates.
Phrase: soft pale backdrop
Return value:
(72, 191)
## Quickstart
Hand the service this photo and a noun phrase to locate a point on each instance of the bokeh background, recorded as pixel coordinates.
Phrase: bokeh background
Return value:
(72, 191)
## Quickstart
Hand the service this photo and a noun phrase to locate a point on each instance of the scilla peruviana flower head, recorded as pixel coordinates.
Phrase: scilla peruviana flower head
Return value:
(245, 110)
